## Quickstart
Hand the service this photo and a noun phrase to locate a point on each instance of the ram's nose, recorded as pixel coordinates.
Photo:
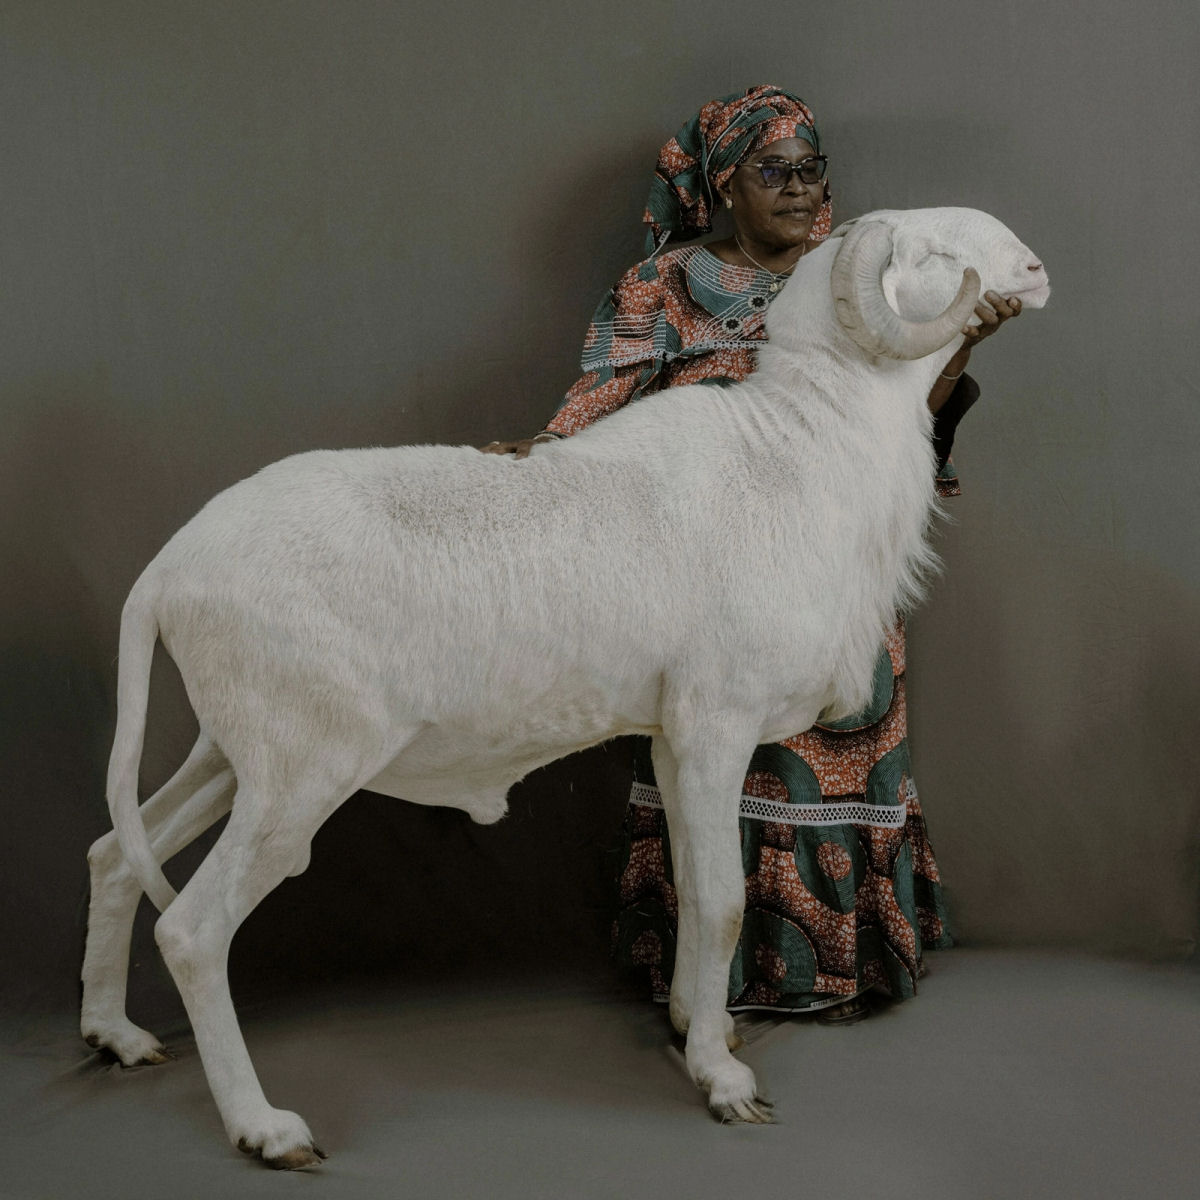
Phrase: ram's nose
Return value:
(1035, 276)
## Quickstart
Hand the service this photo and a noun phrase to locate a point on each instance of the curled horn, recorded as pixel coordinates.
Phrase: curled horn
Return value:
(863, 310)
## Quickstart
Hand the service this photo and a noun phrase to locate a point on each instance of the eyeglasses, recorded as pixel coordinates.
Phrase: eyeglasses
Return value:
(777, 172)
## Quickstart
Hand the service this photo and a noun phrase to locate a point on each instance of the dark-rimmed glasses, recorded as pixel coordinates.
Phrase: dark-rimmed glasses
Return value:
(776, 172)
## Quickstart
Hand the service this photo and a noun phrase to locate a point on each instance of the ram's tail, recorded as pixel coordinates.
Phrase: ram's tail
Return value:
(139, 633)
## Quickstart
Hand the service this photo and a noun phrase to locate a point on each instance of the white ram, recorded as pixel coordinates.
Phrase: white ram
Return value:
(714, 567)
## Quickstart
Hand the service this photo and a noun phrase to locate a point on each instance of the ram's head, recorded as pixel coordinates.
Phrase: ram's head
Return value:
(905, 283)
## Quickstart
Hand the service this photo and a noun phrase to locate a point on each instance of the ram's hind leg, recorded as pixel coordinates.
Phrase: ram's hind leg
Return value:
(197, 795)
(267, 839)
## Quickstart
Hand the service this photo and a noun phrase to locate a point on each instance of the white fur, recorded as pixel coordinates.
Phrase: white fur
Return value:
(713, 566)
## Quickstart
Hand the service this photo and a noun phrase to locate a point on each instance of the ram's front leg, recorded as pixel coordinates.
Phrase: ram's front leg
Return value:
(683, 978)
(702, 814)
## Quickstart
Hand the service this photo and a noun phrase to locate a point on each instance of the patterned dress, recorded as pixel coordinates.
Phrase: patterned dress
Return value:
(842, 891)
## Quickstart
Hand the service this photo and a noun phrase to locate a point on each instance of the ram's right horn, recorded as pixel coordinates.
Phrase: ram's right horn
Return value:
(863, 309)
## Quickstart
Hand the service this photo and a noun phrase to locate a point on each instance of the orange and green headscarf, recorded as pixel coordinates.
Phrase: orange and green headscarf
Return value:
(707, 151)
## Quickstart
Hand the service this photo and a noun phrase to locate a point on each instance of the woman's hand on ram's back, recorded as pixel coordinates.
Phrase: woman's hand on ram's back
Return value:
(990, 319)
(519, 449)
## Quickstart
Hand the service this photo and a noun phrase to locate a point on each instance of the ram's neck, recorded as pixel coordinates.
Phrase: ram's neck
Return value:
(807, 347)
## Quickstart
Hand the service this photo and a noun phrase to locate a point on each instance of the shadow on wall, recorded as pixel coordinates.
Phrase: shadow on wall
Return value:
(1084, 723)
(392, 886)
(424, 894)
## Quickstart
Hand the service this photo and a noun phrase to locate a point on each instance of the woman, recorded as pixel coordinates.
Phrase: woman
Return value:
(843, 893)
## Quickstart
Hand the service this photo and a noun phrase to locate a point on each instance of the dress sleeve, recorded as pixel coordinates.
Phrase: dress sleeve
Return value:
(617, 359)
(598, 393)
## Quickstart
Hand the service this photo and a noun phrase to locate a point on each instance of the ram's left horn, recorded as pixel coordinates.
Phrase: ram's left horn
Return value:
(863, 309)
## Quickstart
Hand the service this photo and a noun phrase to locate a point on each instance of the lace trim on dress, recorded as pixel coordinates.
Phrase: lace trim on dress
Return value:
(848, 812)
(654, 347)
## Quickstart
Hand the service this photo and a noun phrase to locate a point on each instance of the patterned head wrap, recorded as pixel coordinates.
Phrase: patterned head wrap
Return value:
(708, 149)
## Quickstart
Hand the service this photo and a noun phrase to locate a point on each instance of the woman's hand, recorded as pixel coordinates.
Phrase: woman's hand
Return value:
(519, 449)
(990, 318)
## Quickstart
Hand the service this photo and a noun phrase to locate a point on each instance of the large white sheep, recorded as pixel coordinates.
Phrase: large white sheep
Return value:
(714, 567)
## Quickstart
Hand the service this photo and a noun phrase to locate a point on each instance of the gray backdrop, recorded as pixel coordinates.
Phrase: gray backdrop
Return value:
(234, 231)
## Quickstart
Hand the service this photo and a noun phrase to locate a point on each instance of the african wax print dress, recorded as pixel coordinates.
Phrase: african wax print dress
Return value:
(842, 890)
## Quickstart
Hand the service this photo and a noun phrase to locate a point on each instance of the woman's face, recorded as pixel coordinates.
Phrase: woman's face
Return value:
(774, 218)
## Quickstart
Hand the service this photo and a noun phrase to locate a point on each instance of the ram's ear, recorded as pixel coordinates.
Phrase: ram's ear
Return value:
(909, 248)
(845, 227)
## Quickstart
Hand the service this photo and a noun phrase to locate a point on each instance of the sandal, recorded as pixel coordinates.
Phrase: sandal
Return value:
(849, 1012)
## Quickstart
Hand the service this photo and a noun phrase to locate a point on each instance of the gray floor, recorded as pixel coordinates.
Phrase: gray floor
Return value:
(1013, 1074)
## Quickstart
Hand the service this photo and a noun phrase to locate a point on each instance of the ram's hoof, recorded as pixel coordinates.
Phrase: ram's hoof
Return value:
(283, 1142)
(300, 1159)
(744, 1112)
(131, 1047)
